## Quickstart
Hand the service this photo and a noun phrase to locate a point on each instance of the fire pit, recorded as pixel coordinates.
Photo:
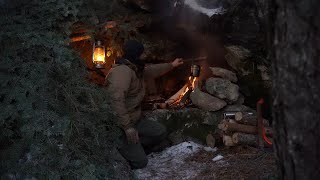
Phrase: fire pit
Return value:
(181, 98)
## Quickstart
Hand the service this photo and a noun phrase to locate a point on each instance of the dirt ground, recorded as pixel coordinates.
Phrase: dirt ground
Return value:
(240, 162)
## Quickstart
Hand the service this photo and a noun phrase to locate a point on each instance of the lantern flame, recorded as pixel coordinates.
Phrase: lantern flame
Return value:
(99, 55)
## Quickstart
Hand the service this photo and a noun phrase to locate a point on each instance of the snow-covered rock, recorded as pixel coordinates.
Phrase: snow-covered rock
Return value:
(193, 4)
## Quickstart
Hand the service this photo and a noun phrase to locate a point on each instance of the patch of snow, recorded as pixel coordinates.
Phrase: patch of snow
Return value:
(217, 158)
(209, 12)
(210, 149)
(170, 163)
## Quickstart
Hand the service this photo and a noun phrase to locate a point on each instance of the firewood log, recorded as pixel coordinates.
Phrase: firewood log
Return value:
(227, 140)
(247, 139)
(238, 116)
(248, 119)
(244, 139)
(232, 121)
(175, 97)
(235, 127)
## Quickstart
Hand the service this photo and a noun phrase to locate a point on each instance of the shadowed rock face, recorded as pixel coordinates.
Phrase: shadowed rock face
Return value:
(150, 5)
(245, 24)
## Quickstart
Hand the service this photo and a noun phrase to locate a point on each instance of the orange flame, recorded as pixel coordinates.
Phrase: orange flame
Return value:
(191, 86)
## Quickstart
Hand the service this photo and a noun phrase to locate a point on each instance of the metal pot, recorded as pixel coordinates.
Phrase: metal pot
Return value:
(195, 70)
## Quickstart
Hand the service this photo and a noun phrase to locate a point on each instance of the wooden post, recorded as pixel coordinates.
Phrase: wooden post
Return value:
(248, 118)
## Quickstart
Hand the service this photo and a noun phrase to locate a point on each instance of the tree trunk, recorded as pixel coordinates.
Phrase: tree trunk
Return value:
(296, 89)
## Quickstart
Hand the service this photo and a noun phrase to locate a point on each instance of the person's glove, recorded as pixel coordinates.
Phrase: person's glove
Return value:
(132, 136)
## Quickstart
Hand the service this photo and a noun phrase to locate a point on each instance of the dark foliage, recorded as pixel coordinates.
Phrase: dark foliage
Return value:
(53, 123)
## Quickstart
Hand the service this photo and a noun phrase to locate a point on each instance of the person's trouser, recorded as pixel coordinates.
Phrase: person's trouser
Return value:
(150, 133)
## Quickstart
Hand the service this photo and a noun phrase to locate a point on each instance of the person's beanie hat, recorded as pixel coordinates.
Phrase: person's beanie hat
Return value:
(132, 50)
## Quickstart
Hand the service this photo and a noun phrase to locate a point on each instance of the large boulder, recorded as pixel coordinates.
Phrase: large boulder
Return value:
(223, 89)
(224, 73)
(206, 101)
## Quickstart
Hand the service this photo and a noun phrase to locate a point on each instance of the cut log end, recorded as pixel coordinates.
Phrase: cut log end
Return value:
(238, 116)
(227, 140)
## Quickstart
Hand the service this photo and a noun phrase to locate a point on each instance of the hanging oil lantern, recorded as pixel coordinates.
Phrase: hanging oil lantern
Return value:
(99, 55)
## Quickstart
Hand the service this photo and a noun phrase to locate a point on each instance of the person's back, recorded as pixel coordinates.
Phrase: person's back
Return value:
(125, 84)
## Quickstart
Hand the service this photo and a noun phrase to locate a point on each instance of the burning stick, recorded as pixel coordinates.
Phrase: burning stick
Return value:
(183, 94)
(176, 96)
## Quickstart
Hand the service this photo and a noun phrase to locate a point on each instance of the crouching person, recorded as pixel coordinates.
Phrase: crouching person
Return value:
(125, 83)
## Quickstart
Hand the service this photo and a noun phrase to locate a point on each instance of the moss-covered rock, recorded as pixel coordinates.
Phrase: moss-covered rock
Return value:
(188, 122)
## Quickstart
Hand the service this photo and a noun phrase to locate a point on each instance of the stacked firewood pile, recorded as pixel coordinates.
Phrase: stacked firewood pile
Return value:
(241, 128)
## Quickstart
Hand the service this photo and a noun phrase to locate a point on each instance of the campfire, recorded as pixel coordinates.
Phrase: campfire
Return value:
(181, 98)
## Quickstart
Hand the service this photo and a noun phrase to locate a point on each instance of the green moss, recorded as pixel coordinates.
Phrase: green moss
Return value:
(190, 122)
